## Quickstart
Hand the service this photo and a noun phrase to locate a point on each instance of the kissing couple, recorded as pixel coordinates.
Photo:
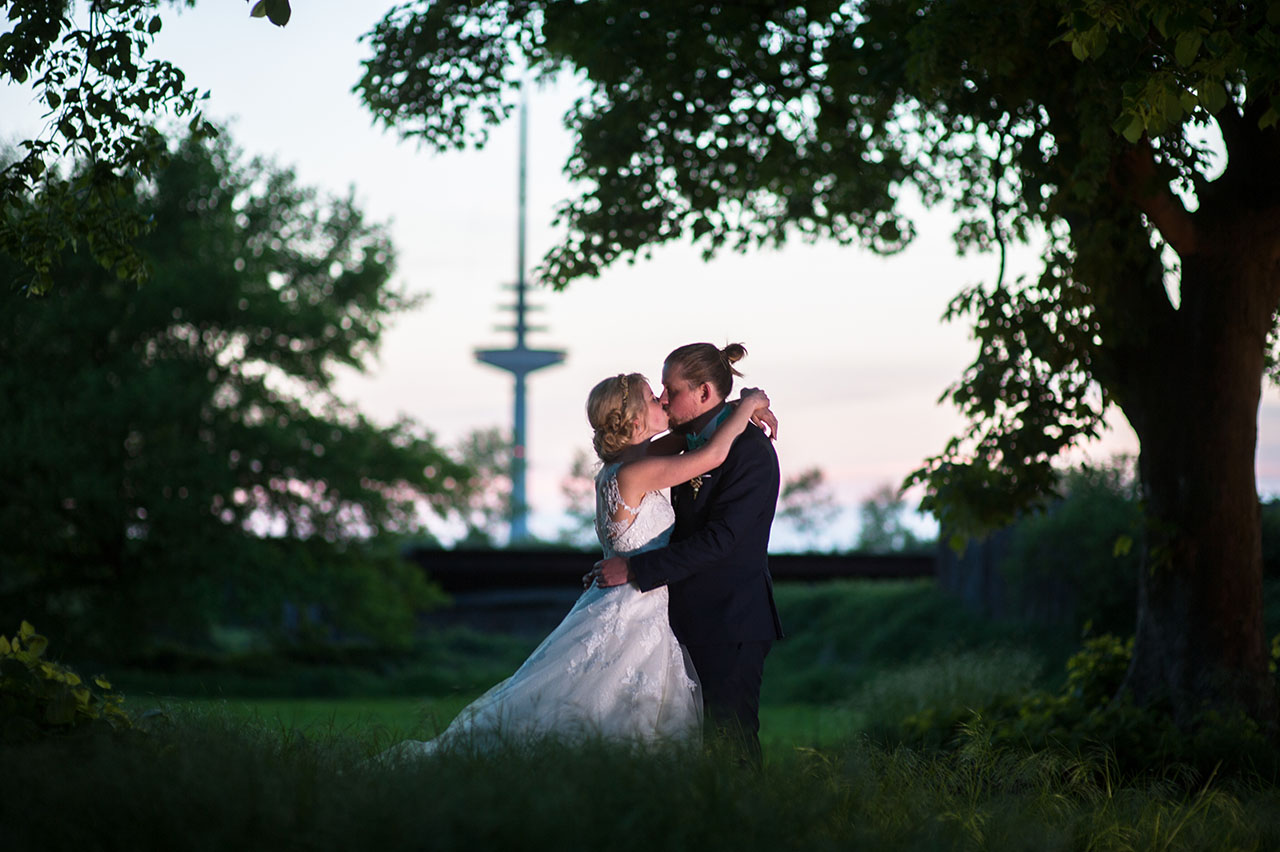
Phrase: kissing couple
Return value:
(674, 623)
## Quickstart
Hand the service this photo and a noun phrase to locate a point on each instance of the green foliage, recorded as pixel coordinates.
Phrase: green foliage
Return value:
(104, 96)
(1270, 510)
(440, 664)
(1204, 55)
(484, 500)
(1090, 713)
(881, 527)
(578, 488)
(1075, 560)
(155, 435)
(40, 698)
(844, 635)
(245, 785)
(806, 502)
(923, 701)
(276, 11)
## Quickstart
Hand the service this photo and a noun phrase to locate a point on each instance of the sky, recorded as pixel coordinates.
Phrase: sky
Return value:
(848, 345)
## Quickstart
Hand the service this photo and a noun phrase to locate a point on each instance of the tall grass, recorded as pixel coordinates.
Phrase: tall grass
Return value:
(946, 685)
(844, 634)
(219, 782)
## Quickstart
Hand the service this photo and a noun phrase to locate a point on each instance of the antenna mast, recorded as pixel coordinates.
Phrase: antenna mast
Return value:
(520, 360)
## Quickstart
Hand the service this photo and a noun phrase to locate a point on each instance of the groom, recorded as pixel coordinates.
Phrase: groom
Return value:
(715, 566)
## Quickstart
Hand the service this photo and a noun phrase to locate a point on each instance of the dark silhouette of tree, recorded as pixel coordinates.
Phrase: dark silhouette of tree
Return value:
(150, 438)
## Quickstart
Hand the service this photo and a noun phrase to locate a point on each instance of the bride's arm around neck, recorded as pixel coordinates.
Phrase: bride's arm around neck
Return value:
(654, 472)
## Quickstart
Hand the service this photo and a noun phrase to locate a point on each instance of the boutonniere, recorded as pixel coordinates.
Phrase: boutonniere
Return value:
(695, 484)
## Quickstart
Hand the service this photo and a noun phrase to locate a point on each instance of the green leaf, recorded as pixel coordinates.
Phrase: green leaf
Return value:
(278, 12)
(259, 9)
(1078, 50)
(1213, 95)
(153, 26)
(36, 645)
(1187, 47)
(1133, 130)
(1161, 20)
(1124, 544)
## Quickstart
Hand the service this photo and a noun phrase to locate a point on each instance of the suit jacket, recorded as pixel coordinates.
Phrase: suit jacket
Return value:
(716, 566)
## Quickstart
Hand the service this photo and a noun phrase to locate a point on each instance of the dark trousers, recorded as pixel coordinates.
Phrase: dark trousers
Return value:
(731, 673)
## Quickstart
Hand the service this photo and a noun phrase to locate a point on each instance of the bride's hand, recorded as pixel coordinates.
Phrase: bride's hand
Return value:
(763, 416)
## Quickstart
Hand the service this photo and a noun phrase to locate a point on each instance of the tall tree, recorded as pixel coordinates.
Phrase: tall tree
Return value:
(484, 498)
(807, 504)
(882, 526)
(150, 439)
(1075, 123)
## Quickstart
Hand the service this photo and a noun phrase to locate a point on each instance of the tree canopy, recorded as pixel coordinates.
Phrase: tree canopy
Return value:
(1084, 126)
(171, 453)
(102, 95)
(105, 102)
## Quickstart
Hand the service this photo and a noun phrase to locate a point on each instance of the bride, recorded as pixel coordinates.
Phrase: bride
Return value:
(612, 669)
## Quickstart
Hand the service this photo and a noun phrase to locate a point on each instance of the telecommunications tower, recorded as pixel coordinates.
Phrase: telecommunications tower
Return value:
(520, 360)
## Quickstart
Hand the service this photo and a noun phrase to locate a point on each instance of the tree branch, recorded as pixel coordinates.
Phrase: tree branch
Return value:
(1136, 176)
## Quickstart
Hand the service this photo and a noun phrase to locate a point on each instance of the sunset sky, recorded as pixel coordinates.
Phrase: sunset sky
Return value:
(848, 345)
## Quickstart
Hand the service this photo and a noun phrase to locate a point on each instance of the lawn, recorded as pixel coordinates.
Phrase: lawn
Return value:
(387, 720)
(270, 754)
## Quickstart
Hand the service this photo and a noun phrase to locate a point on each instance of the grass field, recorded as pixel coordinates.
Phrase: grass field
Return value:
(210, 779)
(382, 721)
(269, 754)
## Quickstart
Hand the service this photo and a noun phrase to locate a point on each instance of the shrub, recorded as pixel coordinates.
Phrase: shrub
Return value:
(931, 698)
(1077, 560)
(1090, 713)
(40, 698)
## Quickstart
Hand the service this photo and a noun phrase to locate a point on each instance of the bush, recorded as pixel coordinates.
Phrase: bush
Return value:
(844, 634)
(930, 699)
(39, 698)
(1077, 561)
(1089, 713)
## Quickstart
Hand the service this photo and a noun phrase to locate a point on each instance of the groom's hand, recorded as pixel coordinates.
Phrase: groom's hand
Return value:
(613, 571)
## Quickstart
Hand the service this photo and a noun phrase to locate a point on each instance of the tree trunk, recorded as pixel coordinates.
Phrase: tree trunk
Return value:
(1199, 638)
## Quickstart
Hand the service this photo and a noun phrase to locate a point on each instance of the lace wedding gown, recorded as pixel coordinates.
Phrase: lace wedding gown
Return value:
(612, 669)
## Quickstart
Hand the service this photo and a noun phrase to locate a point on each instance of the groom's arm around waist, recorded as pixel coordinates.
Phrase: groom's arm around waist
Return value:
(747, 495)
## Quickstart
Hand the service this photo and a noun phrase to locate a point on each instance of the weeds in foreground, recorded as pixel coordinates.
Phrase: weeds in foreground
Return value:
(214, 781)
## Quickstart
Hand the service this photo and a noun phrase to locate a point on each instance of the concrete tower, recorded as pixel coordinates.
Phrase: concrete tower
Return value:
(520, 360)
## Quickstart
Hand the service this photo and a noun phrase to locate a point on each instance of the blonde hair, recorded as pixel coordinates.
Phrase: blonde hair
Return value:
(703, 362)
(613, 406)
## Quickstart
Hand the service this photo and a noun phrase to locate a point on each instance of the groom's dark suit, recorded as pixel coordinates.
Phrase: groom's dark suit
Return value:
(716, 568)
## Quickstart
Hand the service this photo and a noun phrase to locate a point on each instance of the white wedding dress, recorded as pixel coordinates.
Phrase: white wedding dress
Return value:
(612, 669)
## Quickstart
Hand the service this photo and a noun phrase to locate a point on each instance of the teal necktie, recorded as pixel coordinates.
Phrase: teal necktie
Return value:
(693, 441)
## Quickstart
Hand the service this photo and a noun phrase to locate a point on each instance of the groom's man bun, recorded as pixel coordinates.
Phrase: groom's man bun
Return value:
(703, 362)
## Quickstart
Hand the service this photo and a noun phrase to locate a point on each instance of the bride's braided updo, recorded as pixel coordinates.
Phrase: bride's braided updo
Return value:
(612, 409)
